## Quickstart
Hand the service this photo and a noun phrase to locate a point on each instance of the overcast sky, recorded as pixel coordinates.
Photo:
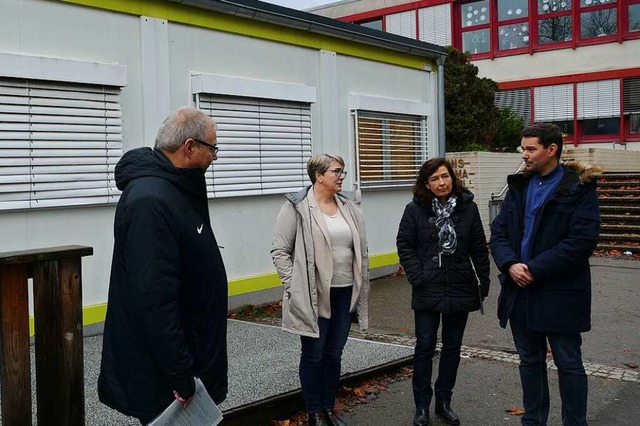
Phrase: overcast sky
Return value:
(300, 4)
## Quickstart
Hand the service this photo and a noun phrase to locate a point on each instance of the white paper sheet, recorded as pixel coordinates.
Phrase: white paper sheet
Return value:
(201, 412)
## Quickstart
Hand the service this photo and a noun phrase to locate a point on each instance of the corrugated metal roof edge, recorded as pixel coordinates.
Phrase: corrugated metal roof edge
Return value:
(305, 21)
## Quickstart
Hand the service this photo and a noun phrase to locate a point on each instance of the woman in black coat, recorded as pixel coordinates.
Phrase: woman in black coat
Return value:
(443, 249)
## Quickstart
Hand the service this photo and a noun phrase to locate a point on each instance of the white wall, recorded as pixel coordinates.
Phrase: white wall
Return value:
(557, 63)
(159, 57)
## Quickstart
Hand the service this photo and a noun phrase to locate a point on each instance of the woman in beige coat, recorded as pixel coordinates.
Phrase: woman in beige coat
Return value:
(320, 252)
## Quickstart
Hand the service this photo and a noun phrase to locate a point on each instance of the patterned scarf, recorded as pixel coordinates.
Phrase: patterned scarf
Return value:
(447, 238)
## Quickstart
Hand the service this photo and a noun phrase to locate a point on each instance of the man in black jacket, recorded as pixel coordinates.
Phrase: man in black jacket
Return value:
(166, 314)
(541, 241)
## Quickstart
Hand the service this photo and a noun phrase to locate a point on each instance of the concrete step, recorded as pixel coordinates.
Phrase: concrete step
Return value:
(617, 199)
(614, 219)
(622, 238)
(616, 208)
(630, 191)
(620, 229)
(621, 247)
(608, 176)
(618, 183)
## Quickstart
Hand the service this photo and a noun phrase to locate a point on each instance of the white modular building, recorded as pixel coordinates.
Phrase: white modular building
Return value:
(82, 81)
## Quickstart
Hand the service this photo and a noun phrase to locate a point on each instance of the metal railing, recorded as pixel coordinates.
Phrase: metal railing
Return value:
(496, 200)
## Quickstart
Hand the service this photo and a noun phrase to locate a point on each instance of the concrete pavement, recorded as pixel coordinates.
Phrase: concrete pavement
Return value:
(488, 380)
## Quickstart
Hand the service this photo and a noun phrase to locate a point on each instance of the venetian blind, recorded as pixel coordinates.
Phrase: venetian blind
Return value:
(598, 99)
(59, 143)
(391, 148)
(434, 24)
(403, 23)
(631, 95)
(553, 103)
(519, 100)
(264, 145)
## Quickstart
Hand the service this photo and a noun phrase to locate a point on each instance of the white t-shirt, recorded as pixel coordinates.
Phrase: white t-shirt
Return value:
(341, 249)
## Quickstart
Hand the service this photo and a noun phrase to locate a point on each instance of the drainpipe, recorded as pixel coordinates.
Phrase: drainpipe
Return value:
(442, 150)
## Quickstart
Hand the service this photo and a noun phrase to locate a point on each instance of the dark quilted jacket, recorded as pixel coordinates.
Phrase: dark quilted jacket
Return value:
(447, 284)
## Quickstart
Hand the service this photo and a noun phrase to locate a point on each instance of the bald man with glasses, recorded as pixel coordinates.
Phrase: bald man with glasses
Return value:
(166, 314)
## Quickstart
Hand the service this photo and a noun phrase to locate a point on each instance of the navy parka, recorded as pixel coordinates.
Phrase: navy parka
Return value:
(565, 233)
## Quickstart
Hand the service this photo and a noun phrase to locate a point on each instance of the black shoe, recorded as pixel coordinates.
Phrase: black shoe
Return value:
(421, 418)
(316, 419)
(333, 419)
(444, 411)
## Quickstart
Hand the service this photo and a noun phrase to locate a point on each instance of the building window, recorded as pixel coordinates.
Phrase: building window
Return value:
(403, 24)
(59, 143)
(375, 24)
(513, 24)
(434, 24)
(598, 18)
(598, 109)
(631, 104)
(554, 21)
(264, 145)
(519, 100)
(634, 17)
(475, 27)
(390, 148)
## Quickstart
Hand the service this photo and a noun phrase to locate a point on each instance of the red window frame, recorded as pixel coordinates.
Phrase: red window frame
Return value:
(626, 33)
(458, 16)
(621, 8)
(580, 9)
(515, 21)
(536, 18)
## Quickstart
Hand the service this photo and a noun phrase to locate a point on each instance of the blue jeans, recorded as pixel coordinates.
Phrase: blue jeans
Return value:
(567, 356)
(427, 324)
(321, 357)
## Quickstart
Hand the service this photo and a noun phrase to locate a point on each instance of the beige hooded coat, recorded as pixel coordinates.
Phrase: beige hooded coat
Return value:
(301, 252)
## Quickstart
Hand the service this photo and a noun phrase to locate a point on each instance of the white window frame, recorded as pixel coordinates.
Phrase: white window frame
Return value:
(60, 132)
(264, 134)
(383, 108)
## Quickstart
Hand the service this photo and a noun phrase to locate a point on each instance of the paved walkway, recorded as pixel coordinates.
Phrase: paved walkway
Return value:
(263, 360)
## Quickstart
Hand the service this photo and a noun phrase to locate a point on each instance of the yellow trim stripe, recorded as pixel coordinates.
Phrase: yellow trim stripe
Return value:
(96, 313)
(208, 19)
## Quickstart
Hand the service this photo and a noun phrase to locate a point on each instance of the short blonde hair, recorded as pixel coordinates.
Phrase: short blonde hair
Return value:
(319, 163)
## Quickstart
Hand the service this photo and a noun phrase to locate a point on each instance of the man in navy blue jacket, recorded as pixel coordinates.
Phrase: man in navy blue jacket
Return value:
(541, 241)
(166, 315)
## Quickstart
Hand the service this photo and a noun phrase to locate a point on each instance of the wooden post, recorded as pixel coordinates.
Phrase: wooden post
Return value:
(57, 294)
(14, 345)
(57, 282)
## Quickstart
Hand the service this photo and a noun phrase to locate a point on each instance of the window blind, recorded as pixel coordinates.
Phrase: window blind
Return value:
(631, 95)
(598, 99)
(553, 103)
(403, 23)
(391, 148)
(264, 145)
(434, 24)
(59, 143)
(519, 100)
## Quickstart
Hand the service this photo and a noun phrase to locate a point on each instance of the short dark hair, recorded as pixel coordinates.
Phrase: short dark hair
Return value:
(426, 170)
(547, 133)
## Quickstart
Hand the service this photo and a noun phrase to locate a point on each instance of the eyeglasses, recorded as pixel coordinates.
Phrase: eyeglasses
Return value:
(213, 148)
(338, 172)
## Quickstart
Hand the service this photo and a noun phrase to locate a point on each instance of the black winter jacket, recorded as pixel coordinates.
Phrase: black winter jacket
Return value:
(167, 308)
(566, 231)
(452, 285)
